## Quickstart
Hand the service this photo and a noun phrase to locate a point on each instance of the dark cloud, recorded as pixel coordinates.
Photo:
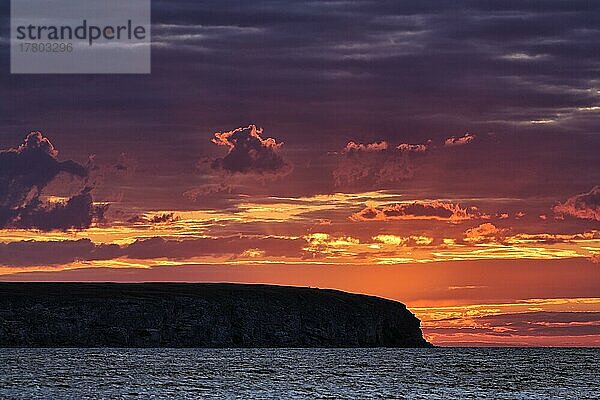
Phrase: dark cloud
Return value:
(583, 206)
(361, 64)
(155, 219)
(122, 163)
(158, 247)
(544, 323)
(78, 212)
(39, 253)
(538, 323)
(25, 172)
(49, 253)
(418, 210)
(542, 317)
(249, 153)
(30, 167)
(379, 164)
(371, 164)
(313, 73)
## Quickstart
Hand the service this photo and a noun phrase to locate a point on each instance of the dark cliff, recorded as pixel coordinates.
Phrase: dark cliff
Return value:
(199, 315)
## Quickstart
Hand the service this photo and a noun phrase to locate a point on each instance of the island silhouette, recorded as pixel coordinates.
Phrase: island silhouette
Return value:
(199, 315)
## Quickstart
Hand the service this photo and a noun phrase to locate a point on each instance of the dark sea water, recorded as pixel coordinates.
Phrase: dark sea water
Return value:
(299, 373)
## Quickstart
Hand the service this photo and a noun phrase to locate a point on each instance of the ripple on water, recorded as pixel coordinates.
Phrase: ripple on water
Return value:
(299, 373)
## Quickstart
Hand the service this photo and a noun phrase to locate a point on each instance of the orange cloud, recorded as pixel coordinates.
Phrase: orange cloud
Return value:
(484, 233)
(459, 141)
(370, 147)
(395, 240)
(582, 206)
(415, 148)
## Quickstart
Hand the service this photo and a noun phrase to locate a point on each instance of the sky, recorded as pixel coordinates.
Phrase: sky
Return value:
(442, 154)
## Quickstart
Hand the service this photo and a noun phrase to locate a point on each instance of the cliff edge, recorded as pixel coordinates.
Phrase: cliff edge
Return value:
(199, 315)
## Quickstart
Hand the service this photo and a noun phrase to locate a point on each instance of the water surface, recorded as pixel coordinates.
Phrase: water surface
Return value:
(299, 373)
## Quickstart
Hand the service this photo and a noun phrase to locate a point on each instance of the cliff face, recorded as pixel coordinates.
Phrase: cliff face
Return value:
(199, 315)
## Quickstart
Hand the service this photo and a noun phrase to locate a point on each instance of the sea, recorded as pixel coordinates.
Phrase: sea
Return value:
(438, 373)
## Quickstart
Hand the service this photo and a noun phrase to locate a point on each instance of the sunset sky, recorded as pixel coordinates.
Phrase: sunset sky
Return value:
(442, 154)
